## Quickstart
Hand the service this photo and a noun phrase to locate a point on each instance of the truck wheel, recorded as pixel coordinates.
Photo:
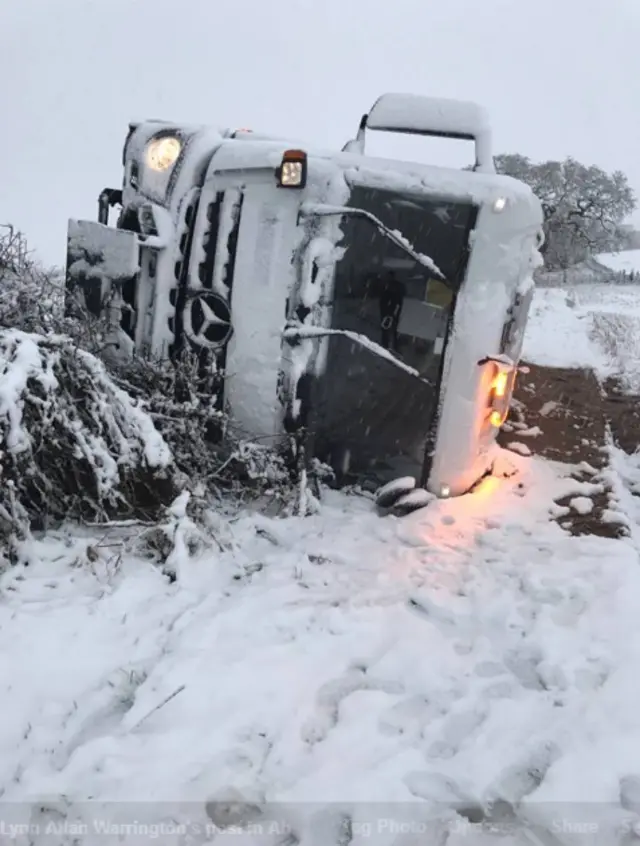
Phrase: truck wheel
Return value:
(412, 501)
(390, 493)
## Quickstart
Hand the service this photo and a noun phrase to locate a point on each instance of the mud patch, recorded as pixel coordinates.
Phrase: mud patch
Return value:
(559, 414)
(567, 415)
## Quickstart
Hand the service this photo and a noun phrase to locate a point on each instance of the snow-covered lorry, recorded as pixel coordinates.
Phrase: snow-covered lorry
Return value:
(373, 308)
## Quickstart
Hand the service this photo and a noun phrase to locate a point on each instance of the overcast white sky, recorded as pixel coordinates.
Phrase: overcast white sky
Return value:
(558, 77)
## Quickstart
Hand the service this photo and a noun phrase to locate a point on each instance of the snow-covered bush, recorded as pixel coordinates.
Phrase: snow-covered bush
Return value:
(32, 300)
(82, 452)
(73, 444)
(182, 402)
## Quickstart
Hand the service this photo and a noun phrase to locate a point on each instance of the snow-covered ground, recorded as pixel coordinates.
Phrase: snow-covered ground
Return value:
(360, 679)
(625, 261)
(594, 326)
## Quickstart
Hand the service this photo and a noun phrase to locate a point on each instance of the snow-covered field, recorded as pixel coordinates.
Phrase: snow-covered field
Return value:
(594, 326)
(625, 261)
(466, 674)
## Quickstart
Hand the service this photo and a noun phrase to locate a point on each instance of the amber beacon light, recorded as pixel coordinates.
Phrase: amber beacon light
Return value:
(501, 388)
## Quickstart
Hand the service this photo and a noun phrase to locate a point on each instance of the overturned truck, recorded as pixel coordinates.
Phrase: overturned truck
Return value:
(368, 309)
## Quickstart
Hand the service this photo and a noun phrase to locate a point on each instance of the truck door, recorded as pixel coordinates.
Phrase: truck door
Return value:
(372, 418)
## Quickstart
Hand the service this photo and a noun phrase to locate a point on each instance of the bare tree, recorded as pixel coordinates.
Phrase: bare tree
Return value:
(13, 249)
(583, 206)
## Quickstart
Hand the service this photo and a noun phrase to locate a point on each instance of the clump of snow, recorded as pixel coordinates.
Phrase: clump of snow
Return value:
(425, 260)
(581, 504)
(73, 443)
(529, 431)
(522, 449)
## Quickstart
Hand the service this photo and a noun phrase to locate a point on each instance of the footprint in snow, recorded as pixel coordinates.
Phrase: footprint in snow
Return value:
(441, 751)
(495, 817)
(445, 620)
(434, 787)
(410, 716)
(445, 792)
(504, 689)
(231, 812)
(524, 664)
(454, 731)
(331, 694)
(500, 683)
(489, 669)
(522, 778)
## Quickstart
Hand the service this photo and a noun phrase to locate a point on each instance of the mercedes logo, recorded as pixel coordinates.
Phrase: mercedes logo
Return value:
(207, 320)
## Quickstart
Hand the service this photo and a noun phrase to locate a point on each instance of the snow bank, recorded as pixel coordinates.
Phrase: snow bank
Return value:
(73, 443)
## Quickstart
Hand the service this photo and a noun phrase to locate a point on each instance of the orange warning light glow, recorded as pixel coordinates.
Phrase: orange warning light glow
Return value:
(500, 385)
(496, 419)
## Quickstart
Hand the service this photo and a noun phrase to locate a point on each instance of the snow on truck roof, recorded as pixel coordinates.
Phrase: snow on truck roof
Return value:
(250, 153)
(243, 149)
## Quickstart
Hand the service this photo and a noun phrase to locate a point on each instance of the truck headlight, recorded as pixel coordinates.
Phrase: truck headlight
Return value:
(163, 152)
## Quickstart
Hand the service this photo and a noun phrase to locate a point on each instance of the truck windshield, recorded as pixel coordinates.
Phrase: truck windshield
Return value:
(373, 418)
(383, 293)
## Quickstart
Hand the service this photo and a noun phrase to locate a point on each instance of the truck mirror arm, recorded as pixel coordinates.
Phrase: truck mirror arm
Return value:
(320, 210)
(294, 333)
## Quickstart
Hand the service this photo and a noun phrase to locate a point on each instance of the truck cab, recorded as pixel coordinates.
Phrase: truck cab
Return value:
(376, 306)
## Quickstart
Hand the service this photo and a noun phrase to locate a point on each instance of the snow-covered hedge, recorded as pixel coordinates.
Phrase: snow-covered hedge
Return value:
(87, 437)
(32, 300)
(73, 444)
(182, 404)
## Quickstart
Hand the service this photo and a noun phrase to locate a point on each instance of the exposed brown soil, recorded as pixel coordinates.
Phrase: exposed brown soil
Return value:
(566, 415)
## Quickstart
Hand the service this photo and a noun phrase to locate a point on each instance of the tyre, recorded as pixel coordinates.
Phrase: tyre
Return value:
(390, 493)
